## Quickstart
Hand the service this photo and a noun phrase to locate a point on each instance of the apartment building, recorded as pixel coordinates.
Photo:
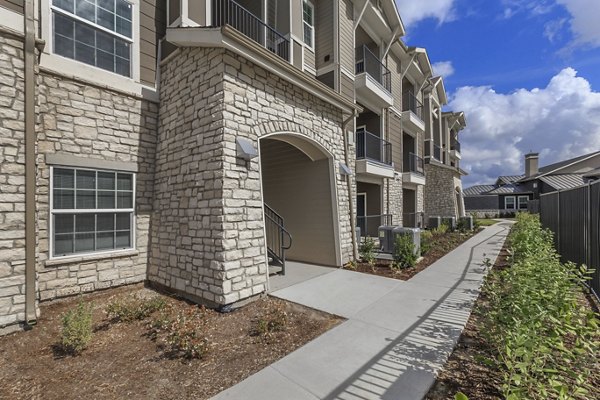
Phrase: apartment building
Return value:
(192, 143)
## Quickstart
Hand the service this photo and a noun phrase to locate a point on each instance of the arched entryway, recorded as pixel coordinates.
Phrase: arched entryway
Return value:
(298, 183)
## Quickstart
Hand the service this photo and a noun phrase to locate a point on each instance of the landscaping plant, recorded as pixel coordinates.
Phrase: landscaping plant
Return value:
(404, 252)
(134, 308)
(545, 340)
(367, 250)
(426, 241)
(182, 336)
(275, 320)
(76, 331)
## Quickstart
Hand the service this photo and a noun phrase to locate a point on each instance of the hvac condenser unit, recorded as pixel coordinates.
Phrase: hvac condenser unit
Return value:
(386, 238)
(450, 221)
(467, 222)
(434, 222)
(414, 234)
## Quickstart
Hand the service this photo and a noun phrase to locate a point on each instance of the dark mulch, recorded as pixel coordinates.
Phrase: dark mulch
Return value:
(442, 245)
(123, 362)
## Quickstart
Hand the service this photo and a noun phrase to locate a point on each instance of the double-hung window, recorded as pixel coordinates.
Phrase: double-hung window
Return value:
(509, 202)
(308, 18)
(523, 202)
(91, 211)
(95, 32)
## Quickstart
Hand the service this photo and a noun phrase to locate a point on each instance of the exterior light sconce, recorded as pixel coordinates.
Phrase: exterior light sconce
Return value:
(345, 170)
(245, 149)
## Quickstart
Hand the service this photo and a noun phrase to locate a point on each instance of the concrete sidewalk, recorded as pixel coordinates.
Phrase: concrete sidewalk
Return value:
(397, 336)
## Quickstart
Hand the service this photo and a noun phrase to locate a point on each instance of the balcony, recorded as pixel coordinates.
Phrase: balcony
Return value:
(229, 12)
(373, 80)
(437, 152)
(369, 224)
(373, 155)
(455, 149)
(412, 112)
(414, 171)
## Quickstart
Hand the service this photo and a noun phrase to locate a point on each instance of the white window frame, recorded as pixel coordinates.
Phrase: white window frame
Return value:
(519, 202)
(77, 69)
(52, 212)
(514, 201)
(304, 23)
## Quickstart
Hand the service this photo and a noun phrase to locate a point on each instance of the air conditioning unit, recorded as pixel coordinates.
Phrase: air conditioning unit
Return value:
(386, 238)
(434, 222)
(467, 222)
(450, 221)
(413, 233)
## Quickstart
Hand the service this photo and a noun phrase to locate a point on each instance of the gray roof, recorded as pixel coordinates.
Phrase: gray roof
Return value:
(478, 190)
(563, 181)
(510, 178)
(561, 164)
(510, 188)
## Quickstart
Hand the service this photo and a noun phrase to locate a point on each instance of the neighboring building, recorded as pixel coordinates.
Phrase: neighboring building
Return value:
(513, 193)
(167, 142)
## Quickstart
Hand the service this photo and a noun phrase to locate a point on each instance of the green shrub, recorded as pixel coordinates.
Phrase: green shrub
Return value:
(544, 339)
(182, 336)
(367, 250)
(76, 331)
(441, 229)
(404, 252)
(462, 225)
(426, 241)
(134, 308)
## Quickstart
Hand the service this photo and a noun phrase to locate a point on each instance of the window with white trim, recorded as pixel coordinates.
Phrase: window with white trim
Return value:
(509, 203)
(523, 202)
(95, 32)
(92, 211)
(308, 18)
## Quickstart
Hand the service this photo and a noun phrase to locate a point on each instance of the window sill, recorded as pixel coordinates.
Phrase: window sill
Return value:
(91, 257)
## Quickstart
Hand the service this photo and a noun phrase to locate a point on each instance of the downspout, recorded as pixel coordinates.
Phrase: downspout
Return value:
(30, 184)
(349, 184)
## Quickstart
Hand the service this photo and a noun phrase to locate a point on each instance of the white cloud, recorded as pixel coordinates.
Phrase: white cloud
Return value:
(584, 21)
(560, 121)
(413, 11)
(443, 68)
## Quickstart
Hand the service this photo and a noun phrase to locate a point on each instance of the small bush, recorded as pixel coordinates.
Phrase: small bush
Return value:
(426, 241)
(404, 252)
(463, 225)
(275, 320)
(367, 250)
(183, 336)
(76, 331)
(134, 308)
(440, 230)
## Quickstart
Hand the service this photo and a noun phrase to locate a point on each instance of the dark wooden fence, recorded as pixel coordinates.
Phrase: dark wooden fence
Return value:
(574, 217)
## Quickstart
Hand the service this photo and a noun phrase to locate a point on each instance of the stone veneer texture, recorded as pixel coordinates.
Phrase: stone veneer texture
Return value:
(439, 196)
(208, 240)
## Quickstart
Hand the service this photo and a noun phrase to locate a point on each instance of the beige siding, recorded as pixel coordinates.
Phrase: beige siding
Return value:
(14, 5)
(323, 33)
(300, 191)
(346, 34)
(309, 59)
(395, 138)
(393, 64)
(347, 87)
(152, 28)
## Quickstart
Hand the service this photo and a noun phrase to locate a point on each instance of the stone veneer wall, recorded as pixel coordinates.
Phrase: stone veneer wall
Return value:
(439, 197)
(82, 120)
(208, 230)
(12, 181)
(394, 191)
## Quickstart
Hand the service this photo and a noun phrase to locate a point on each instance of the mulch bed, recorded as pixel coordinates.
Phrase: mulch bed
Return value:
(123, 362)
(443, 244)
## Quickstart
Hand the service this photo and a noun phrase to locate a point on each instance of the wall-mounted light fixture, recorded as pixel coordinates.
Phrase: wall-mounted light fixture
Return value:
(246, 149)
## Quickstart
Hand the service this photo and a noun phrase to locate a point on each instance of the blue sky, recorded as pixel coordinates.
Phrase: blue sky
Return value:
(526, 73)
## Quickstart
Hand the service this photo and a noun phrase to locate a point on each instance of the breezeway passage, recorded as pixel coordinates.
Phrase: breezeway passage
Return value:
(397, 336)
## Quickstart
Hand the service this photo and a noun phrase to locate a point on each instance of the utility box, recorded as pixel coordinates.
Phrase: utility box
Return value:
(466, 223)
(413, 233)
(450, 222)
(434, 222)
(386, 238)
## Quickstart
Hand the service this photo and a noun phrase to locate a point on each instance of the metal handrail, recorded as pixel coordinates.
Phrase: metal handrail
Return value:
(415, 164)
(229, 12)
(368, 62)
(372, 147)
(276, 235)
(410, 102)
(369, 224)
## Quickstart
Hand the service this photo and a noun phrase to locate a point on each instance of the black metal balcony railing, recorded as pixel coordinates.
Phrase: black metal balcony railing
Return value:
(228, 12)
(437, 152)
(369, 224)
(372, 147)
(455, 145)
(415, 164)
(411, 103)
(368, 62)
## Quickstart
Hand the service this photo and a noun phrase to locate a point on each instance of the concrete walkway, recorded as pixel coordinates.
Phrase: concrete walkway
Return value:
(397, 335)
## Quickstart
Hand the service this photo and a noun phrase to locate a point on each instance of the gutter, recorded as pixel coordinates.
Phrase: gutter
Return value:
(349, 184)
(30, 170)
